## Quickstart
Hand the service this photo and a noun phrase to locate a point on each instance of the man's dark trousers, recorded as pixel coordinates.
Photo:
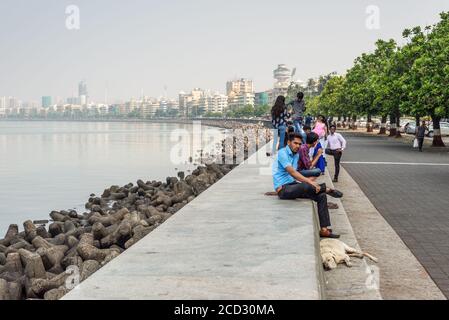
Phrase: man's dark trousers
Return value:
(420, 143)
(297, 190)
(337, 157)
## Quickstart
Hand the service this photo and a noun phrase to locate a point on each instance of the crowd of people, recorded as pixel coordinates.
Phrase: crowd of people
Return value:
(300, 151)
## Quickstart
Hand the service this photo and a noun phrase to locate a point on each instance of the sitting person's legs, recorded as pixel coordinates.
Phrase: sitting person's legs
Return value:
(305, 191)
(311, 173)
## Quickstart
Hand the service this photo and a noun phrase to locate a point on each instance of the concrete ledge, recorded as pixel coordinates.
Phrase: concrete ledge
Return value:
(231, 242)
(360, 281)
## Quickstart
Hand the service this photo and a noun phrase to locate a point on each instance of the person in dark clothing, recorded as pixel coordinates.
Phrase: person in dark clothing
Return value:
(290, 130)
(279, 116)
(308, 121)
(420, 134)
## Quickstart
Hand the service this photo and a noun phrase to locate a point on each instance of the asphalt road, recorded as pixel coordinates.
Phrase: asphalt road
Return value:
(411, 191)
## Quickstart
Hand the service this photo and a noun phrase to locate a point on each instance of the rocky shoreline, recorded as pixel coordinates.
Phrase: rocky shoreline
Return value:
(45, 263)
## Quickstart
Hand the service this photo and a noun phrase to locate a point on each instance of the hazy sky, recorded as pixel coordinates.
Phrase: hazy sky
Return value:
(132, 45)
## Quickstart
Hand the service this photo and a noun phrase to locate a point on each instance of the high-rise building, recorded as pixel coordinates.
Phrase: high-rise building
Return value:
(239, 86)
(46, 102)
(73, 100)
(12, 103)
(83, 94)
(82, 89)
(262, 98)
(240, 93)
(2, 106)
(282, 75)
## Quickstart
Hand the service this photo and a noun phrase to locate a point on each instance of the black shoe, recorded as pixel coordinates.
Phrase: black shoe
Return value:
(336, 194)
(335, 180)
(329, 234)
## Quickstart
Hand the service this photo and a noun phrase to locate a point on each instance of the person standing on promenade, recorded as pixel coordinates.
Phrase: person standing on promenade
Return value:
(289, 184)
(336, 146)
(321, 130)
(308, 121)
(420, 134)
(299, 107)
(279, 116)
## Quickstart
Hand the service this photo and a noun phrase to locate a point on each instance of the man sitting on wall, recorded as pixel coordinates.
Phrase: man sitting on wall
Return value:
(305, 164)
(289, 184)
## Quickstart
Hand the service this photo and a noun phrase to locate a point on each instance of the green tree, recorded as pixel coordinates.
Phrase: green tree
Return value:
(430, 74)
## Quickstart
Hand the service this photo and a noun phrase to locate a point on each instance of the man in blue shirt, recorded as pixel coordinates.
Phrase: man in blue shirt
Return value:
(289, 184)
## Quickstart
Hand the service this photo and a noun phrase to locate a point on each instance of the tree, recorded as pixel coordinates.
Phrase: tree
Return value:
(430, 74)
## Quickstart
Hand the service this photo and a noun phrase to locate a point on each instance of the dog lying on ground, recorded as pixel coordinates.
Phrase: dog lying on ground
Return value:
(334, 252)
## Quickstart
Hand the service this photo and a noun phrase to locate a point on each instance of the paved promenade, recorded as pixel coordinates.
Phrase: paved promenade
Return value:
(410, 189)
(232, 242)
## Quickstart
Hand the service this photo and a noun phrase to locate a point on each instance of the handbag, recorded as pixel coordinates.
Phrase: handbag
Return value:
(415, 143)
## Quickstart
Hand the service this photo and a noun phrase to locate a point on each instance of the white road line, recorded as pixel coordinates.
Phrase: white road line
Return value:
(397, 163)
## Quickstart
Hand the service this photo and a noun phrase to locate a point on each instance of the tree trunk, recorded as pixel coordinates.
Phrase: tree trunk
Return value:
(383, 125)
(392, 126)
(369, 124)
(353, 125)
(398, 125)
(344, 121)
(437, 140)
(417, 118)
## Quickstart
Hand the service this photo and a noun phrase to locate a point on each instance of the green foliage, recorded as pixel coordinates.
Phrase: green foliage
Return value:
(412, 79)
(249, 111)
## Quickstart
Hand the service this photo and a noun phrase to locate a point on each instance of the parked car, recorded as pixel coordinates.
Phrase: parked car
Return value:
(409, 127)
(404, 124)
(444, 127)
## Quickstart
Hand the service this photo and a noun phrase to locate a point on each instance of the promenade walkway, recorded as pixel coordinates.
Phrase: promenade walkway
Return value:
(231, 242)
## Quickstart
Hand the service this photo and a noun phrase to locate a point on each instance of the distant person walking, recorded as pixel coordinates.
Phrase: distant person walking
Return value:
(299, 107)
(336, 146)
(279, 116)
(420, 134)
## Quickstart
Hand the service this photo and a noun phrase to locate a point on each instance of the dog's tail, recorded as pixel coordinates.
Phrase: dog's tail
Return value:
(370, 256)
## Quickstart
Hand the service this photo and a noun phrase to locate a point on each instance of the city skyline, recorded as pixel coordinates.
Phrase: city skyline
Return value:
(236, 89)
(122, 49)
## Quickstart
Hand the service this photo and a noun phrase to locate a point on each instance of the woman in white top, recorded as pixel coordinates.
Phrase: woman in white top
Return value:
(336, 144)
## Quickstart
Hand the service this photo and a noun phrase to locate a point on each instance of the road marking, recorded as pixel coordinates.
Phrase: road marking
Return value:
(397, 163)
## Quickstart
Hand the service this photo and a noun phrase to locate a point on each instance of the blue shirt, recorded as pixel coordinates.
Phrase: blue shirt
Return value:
(284, 159)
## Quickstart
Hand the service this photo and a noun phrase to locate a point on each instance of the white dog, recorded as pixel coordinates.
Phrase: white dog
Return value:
(334, 252)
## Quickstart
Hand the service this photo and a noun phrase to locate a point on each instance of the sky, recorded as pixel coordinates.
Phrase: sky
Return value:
(124, 47)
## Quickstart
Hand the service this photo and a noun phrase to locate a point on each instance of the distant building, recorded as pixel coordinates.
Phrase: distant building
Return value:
(73, 100)
(240, 93)
(189, 104)
(12, 103)
(282, 75)
(239, 86)
(46, 102)
(262, 98)
(213, 103)
(83, 94)
(2, 106)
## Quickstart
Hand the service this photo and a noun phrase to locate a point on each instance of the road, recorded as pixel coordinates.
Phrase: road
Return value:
(411, 191)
